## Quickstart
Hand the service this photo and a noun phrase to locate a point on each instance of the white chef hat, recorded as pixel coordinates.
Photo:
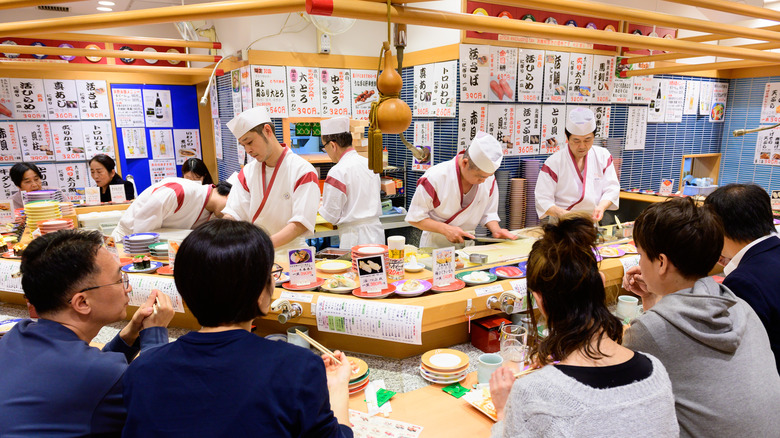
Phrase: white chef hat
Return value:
(242, 123)
(336, 125)
(485, 152)
(580, 121)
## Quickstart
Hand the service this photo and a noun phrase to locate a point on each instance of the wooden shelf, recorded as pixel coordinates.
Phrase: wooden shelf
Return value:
(700, 166)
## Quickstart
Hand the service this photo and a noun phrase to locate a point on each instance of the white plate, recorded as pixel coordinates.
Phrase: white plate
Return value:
(414, 268)
(372, 250)
(441, 381)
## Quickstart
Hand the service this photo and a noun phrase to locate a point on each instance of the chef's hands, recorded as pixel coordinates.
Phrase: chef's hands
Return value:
(500, 386)
(454, 234)
(504, 234)
(598, 214)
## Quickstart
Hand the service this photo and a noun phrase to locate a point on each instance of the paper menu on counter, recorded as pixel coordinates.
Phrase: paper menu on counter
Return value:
(302, 266)
(472, 117)
(556, 76)
(372, 275)
(117, 193)
(62, 99)
(666, 188)
(530, 73)
(443, 266)
(144, 284)
(370, 426)
(92, 195)
(370, 319)
(474, 72)
(6, 212)
(9, 280)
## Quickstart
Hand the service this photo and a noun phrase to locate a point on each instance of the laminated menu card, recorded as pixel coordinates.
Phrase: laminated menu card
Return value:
(302, 266)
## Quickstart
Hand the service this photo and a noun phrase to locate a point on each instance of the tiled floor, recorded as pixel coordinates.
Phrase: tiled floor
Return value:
(400, 375)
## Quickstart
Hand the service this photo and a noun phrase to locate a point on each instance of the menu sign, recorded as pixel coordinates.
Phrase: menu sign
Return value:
(161, 169)
(246, 87)
(623, 89)
(692, 97)
(371, 271)
(444, 89)
(530, 73)
(553, 123)
(636, 128)
(528, 128)
(603, 78)
(705, 97)
(423, 90)
(128, 107)
(98, 138)
(675, 100)
(9, 143)
(768, 147)
(643, 89)
(580, 78)
(35, 141)
(134, 142)
(157, 108)
(187, 143)
(7, 187)
(217, 130)
(235, 92)
(375, 320)
(472, 117)
(657, 107)
(769, 105)
(68, 141)
(269, 85)
(364, 92)
(602, 114)
(162, 143)
(72, 179)
(214, 100)
(501, 125)
(474, 72)
(503, 74)
(93, 100)
(61, 99)
(6, 99)
(443, 266)
(720, 93)
(303, 84)
(48, 175)
(423, 138)
(335, 91)
(556, 76)
(29, 101)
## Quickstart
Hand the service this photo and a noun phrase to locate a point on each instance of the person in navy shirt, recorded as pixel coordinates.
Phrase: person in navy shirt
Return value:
(751, 252)
(52, 382)
(223, 380)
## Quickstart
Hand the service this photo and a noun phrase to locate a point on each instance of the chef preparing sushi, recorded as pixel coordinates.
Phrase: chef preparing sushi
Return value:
(173, 203)
(455, 196)
(279, 190)
(350, 195)
(579, 177)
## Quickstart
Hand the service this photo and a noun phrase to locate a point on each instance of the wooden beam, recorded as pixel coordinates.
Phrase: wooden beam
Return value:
(121, 39)
(48, 66)
(39, 50)
(733, 7)
(682, 68)
(673, 56)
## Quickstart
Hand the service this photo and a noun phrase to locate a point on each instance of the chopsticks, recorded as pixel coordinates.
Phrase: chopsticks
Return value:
(317, 345)
(156, 303)
(525, 372)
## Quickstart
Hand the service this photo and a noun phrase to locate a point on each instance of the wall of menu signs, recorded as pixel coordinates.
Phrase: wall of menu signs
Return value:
(57, 124)
(523, 96)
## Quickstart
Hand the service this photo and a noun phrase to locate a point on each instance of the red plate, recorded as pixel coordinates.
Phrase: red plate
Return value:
(165, 270)
(359, 388)
(311, 286)
(10, 255)
(455, 285)
(384, 293)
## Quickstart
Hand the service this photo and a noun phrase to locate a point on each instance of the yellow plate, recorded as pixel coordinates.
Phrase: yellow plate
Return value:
(444, 359)
(359, 367)
(333, 266)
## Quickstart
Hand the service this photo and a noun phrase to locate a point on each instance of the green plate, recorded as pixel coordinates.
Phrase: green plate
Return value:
(466, 277)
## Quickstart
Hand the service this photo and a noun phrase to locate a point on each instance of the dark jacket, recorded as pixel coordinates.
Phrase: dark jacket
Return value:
(129, 192)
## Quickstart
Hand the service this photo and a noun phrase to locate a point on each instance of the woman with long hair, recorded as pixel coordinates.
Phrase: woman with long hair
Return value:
(195, 169)
(588, 384)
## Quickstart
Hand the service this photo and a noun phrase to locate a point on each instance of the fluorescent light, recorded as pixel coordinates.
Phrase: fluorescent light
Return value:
(106, 3)
(104, 9)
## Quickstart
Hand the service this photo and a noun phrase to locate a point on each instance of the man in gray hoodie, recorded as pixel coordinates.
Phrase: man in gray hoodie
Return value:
(711, 342)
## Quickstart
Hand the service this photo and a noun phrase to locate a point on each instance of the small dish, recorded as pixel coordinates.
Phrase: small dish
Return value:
(93, 58)
(66, 57)
(10, 255)
(444, 360)
(277, 337)
(333, 266)
(452, 287)
(422, 287)
(359, 368)
(165, 270)
(131, 270)
(470, 278)
(611, 252)
(507, 272)
(339, 290)
(150, 50)
(310, 286)
(384, 293)
(413, 267)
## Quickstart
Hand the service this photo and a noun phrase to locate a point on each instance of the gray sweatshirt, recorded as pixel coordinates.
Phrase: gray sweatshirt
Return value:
(717, 353)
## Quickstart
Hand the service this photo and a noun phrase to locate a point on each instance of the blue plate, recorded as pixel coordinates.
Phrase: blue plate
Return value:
(154, 235)
(131, 270)
(523, 267)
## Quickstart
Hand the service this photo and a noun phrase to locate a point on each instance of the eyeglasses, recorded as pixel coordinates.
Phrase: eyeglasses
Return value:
(124, 281)
(276, 272)
(322, 148)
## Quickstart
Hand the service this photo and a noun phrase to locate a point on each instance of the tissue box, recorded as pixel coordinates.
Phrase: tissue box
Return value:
(485, 333)
(698, 190)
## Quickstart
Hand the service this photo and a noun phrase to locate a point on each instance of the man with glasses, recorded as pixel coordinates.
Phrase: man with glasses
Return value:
(350, 195)
(52, 382)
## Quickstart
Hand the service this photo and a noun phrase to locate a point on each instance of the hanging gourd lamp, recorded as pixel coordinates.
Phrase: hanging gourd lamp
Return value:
(393, 114)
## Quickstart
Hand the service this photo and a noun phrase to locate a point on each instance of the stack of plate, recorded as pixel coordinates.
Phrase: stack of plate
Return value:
(67, 209)
(531, 169)
(159, 250)
(40, 211)
(45, 195)
(52, 225)
(138, 243)
(517, 204)
(359, 378)
(502, 185)
(367, 251)
(444, 366)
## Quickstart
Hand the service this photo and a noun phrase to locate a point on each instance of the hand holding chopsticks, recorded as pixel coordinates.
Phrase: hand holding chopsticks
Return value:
(318, 346)
(525, 372)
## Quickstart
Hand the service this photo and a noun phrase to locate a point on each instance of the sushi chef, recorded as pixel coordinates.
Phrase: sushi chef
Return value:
(173, 203)
(350, 195)
(580, 177)
(279, 191)
(453, 197)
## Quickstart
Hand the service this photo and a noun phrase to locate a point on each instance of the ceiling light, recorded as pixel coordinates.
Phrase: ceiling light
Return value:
(106, 3)
(104, 9)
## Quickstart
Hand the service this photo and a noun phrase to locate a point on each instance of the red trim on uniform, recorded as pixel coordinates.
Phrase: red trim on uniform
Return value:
(336, 184)
(609, 163)
(492, 187)
(208, 196)
(308, 178)
(583, 177)
(550, 172)
(431, 191)
(270, 183)
(242, 180)
(458, 175)
(177, 188)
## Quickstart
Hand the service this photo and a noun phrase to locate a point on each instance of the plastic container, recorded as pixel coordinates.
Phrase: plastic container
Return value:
(698, 190)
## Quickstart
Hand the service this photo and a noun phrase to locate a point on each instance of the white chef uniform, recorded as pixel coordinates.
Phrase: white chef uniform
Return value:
(171, 203)
(439, 194)
(562, 184)
(350, 195)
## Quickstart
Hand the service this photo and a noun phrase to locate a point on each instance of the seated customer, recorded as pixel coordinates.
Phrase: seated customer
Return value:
(223, 380)
(103, 171)
(27, 178)
(711, 342)
(52, 382)
(195, 169)
(751, 244)
(598, 388)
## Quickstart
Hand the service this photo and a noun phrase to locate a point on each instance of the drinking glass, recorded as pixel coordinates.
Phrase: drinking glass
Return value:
(514, 345)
